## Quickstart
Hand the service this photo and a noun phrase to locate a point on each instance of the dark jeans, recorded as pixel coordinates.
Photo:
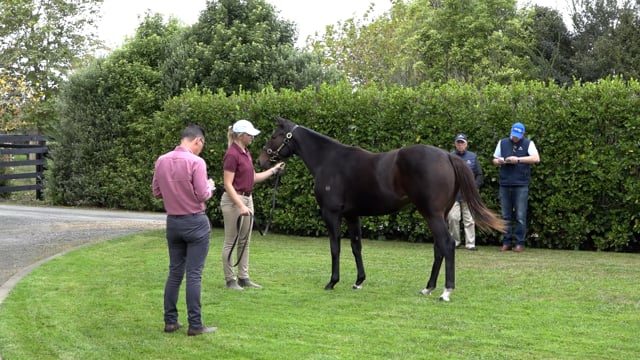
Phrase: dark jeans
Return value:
(188, 241)
(514, 202)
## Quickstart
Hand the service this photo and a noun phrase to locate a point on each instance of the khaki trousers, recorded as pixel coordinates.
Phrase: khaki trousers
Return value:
(230, 215)
(459, 211)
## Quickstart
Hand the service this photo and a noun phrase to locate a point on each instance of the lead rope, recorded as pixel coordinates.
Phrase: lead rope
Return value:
(253, 219)
(273, 204)
(246, 239)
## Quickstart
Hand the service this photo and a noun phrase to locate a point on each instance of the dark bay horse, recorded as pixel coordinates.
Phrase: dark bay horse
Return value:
(351, 182)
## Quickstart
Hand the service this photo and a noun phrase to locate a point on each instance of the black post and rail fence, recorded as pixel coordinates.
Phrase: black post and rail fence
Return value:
(35, 149)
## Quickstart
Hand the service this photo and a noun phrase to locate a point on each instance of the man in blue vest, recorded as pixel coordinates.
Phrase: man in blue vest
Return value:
(460, 209)
(515, 155)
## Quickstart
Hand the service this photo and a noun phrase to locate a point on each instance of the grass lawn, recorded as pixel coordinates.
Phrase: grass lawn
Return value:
(105, 302)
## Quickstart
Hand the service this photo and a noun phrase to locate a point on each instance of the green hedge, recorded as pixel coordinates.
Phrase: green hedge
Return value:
(584, 193)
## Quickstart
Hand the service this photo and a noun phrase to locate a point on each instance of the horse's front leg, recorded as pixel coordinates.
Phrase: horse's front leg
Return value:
(333, 227)
(355, 233)
(335, 263)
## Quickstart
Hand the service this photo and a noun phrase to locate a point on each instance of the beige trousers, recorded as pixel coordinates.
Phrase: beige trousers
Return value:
(230, 215)
(459, 211)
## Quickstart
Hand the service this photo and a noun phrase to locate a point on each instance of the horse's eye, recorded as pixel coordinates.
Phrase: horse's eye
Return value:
(269, 151)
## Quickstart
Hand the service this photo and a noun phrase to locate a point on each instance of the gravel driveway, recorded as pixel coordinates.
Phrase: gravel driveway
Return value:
(29, 235)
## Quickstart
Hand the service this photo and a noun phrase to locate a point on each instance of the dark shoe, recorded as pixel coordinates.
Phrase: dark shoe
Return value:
(248, 283)
(169, 328)
(505, 248)
(472, 248)
(232, 284)
(519, 248)
(201, 330)
(458, 246)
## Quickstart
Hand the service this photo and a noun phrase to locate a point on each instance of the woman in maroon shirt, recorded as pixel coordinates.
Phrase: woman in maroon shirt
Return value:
(236, 202)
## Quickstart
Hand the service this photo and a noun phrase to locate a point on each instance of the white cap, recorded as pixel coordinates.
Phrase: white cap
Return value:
(244, 126)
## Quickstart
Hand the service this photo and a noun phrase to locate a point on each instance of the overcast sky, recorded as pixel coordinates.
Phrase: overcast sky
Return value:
(120, 18)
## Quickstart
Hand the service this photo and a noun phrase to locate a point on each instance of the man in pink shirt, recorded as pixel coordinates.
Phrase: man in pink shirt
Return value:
(180, 180)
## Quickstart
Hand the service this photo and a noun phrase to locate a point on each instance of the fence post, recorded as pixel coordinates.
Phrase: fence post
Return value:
(40, 171)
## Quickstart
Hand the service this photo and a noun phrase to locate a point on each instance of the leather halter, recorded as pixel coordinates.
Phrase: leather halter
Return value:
(274, 156)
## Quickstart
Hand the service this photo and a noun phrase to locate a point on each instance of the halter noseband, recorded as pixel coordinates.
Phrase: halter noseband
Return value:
(274, 156)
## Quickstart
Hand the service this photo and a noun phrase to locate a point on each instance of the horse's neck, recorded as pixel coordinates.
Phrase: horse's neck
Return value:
(315, 149)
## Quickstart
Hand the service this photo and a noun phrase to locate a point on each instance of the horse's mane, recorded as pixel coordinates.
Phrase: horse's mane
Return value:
(323, 139)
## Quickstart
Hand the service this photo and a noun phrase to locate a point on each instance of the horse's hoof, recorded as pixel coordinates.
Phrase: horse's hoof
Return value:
(328, 287)
(356, 287)
(426, 291)
(445, 295)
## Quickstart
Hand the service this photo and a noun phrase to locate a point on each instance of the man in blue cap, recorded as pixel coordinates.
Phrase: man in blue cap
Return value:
(515, 155)
(460, 209)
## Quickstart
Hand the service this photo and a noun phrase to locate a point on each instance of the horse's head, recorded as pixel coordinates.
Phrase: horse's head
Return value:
(280, 145)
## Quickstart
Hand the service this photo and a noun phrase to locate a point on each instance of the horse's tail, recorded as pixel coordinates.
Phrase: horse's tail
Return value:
(484, 217)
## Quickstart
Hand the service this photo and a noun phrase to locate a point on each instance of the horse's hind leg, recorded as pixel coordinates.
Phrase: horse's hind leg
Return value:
(355, 232)
(443, 249)
(447, 250)
(435, 270)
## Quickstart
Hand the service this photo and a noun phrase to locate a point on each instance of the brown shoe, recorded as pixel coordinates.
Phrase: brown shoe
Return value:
(519, 248)
(201, 330)
(169, 328)
(505, 248)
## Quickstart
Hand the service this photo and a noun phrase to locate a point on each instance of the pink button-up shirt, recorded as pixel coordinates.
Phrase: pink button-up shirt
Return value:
(180, 180)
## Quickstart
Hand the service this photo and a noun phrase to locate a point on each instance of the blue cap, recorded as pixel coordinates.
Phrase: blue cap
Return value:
(517, 130)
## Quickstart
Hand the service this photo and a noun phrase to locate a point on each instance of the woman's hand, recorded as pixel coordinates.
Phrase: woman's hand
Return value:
(277, 168)
(244, 210)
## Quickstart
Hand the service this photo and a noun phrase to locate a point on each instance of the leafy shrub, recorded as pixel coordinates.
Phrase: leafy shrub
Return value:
(584, 194)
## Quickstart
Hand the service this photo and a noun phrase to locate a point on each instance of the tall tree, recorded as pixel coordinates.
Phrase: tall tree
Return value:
(606, 38)
(367, 49)
(553, 47)
(42, 40)
(15, 98)
(627, 34)
(100, 156)
(473, 41)
(435, 41)
(240, 44)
